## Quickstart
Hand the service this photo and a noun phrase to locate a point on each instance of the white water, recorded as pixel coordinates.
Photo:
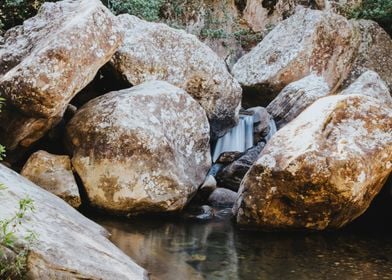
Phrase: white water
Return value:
(238, 139)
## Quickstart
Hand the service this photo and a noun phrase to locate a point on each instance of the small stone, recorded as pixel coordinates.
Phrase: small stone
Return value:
(222, 197)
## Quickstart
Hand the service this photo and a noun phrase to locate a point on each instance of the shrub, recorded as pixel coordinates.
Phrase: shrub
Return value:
(377, 10)
(14, 12)
(146, 9)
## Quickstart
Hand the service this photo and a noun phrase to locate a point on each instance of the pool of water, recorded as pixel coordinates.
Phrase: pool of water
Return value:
(178, 248)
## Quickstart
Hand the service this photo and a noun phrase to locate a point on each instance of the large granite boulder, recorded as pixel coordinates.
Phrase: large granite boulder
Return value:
(46, 61)
(296, 97)
(154, 51)
(321, 170)
(310, 41)
(54, 174)
(143, 149)
(370, 84)
(374, 52)
(68, 245)
(262, 15)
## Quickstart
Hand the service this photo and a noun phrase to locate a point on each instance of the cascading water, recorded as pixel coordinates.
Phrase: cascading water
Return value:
(238, 139)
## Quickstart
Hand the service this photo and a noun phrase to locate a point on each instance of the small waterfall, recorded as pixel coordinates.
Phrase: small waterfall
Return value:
(238, 139)
(272, 130)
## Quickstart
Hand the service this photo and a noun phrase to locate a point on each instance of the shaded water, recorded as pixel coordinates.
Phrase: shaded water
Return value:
(176, 248)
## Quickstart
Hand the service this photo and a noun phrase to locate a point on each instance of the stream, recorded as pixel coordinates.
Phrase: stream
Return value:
(177, 248)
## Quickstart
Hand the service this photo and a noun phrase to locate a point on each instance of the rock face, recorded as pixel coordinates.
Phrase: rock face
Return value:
(308, 42)
(40, 63)
(323, 169)
(370, 84)
(374, 52)
(62, 233)
(54, 174)
(144, 149)
(153, 51)
(296, 97)
(231, 176)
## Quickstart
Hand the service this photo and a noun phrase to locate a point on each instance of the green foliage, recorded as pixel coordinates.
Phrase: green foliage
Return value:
(146, 9)
(14, 12)
(15, 268)
(377, 10)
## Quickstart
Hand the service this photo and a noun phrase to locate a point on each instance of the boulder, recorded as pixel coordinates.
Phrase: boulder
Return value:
(40, 63)
(143, 149)
(231, 175)
(370, 84)
(68, 245)
(261, 119)
(154, 51)
(222, 197)
(322, 170)
(54, 174)
(374, 52)
(309, 42)
(296, 97)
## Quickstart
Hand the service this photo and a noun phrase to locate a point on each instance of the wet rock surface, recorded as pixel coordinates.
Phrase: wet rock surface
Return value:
(222, 197)
(231, 175)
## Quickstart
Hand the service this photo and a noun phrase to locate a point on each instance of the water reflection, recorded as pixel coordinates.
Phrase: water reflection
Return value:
(173, 249)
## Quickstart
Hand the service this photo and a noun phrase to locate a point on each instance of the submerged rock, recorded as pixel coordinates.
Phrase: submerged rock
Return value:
(40, 64)
(54, 174)
(323, 169)
(231, 175)
(296, 97)
(154, 51)
(222, 197)
(68, 245)
(308, 42)
(143, 149)
(370, 84)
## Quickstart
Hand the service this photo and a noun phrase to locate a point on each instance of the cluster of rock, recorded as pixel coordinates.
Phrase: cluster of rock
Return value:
(324, 79)
(333, 153)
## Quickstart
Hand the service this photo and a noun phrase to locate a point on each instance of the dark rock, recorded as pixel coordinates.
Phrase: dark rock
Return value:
(222, 197)
(228, 157)
(231, 176)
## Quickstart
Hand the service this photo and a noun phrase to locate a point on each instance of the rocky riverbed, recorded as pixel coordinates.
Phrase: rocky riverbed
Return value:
(141, 121)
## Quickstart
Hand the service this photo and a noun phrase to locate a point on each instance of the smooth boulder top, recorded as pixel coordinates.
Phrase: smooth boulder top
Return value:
(55, 54)
(143, 149)
(46, 61)
(68, 245)
(321, 170)
(296, 97)
(310, 41)
(155, 51)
